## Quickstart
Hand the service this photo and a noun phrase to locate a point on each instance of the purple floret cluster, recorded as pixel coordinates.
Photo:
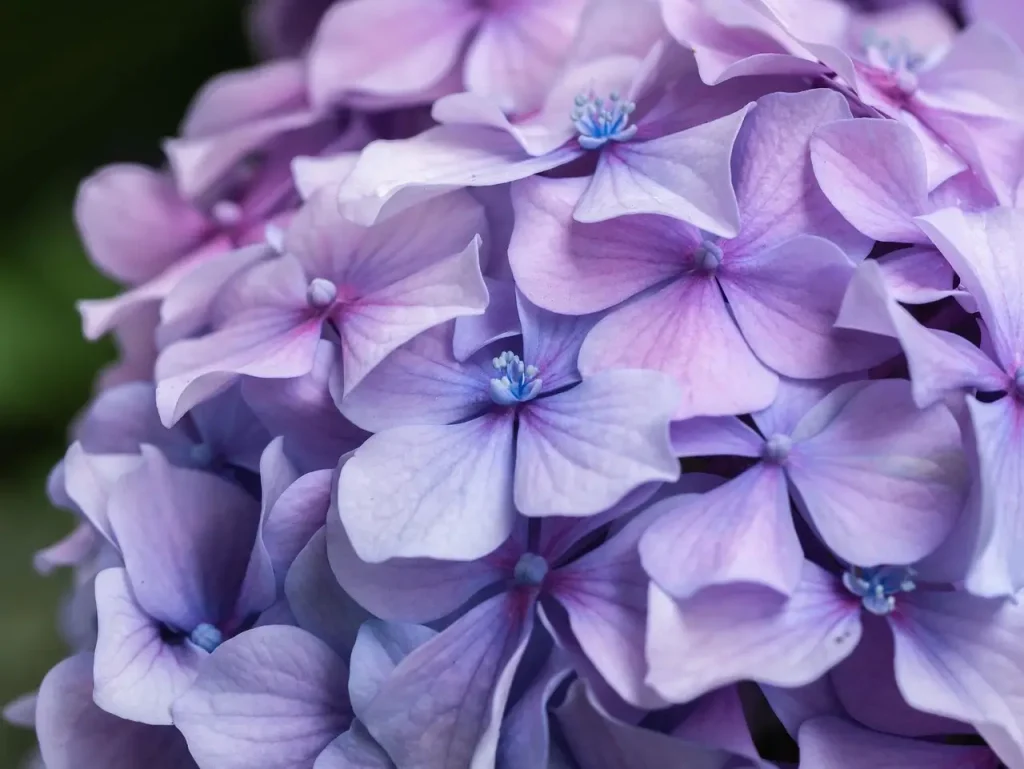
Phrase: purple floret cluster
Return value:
(560, 384)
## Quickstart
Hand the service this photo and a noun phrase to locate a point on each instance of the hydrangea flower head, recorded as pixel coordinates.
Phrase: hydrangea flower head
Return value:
(559, 384)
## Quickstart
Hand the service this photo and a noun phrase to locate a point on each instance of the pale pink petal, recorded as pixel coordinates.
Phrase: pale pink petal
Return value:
(396, 48)
(874, 172)
(362, 260)
(884, 482)
(940, 362)
(685, 175)
(188, 303)
(684, 330)
(381, 321)
(134, 224)
(775, 186)
(232, 115)
(1007, 16)
(518, 50)
(571, 267)
(786, 299)
(985, 251)
(393, 175)
(101, 315)
(270, 331)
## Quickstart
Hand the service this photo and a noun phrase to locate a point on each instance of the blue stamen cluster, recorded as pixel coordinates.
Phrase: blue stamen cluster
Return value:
(206, 636)
(898, 56)
(518, 382)
(530, 570)
(878, 586)
(599, 122)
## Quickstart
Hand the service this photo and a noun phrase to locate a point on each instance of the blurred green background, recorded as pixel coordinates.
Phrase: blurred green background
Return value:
(85, 84)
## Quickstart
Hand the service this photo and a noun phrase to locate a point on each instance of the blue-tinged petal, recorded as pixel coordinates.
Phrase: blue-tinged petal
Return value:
(318, 602)
(74, 733)
(883, 482)
(832, 743)
(407, 589)
(598, 740)
(552, 342)
(90, 480)
(420, 383)
(866, 690)
(715, 436)
(355, 749)
(985, 250)
(525, 734)
(437, 491)
(186, 538)
(940, 362)
(583, 450)
(304, 413)
(685, 175)
(443, 704)
(997, 567)
(379, 648)
(740, 632)
(272, 698)
(741, 532)
(604, 595)
(141, 666)
(960, 657)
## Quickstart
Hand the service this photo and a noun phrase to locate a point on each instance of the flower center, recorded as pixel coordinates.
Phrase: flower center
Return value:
(226, 213)
(201, 455)
(321, 293)
(206, 636)
(518, 382)
(531, 569)
(599, 122)
(897, 58)
(776, 449)
(1018, 382)
(878, 586)
(708, 256)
